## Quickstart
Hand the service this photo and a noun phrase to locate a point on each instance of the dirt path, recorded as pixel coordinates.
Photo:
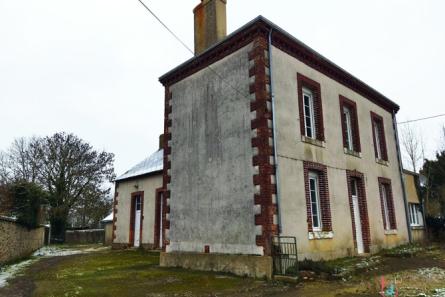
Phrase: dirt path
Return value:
(23, 285)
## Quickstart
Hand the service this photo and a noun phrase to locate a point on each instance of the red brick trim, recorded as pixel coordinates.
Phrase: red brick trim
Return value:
(390, 202)
(158, 217)
(166, 175)
(375, 118)
(345, 102)
(303, 81)
(288, 44)
(132, 217)
(363, 208)
(262, 143)
(325, 205)
(115, 201)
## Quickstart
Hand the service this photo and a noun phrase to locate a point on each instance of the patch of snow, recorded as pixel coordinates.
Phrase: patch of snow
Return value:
(49, 251)
(10, 271)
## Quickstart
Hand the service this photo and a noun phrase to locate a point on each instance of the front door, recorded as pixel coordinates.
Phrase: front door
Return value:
(137, 220)
(357, 219)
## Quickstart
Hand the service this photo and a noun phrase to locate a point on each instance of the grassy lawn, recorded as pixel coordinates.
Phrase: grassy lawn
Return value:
(129, 273)
(414, 271)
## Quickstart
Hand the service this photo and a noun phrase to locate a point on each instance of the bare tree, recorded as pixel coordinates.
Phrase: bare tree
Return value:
(413, 146)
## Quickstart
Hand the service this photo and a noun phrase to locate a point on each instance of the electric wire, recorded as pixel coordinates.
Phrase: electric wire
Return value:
(421, 119)
(221, 77)
(234, 88)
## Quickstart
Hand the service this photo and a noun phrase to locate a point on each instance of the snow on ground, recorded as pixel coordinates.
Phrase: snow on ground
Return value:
(12, 270)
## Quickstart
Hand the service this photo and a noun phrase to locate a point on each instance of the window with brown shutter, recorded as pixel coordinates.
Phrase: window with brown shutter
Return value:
(349, 123)
(378, 135)
(311, 111)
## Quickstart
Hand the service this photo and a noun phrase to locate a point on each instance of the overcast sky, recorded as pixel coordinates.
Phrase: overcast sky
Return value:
(91, 67)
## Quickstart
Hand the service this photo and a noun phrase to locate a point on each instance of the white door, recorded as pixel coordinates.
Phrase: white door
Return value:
(137, 221)
(357, 220)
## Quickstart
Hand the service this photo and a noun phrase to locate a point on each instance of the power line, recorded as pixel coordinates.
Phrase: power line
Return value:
(165, 26)
(222, 78)
(185, 45)
(421, 119)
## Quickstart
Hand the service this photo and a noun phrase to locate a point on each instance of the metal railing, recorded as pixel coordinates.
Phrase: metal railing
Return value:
(284, 254)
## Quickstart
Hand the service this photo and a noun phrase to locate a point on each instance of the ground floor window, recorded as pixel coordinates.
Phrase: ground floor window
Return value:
(317, 197)
(415, 215)
(387, 204)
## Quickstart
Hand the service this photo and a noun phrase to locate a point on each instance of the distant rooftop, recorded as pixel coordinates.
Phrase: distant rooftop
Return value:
(153, 163)
(108, 218)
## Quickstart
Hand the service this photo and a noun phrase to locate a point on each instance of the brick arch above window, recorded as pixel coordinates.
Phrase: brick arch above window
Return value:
(314, 87)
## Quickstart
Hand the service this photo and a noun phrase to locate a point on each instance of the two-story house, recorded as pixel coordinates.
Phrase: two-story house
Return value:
(265, 137)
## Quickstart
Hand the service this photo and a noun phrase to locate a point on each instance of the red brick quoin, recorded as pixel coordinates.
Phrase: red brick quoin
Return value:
(363, 206)
(262, 143)
(116, 194)
(325, 206)
(166, 175)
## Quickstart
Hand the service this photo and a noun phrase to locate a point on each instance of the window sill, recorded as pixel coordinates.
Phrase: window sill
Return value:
(321, 235)
(391, 232)
(417, 227)
(313, 141)
(382, 162)
(352, 153)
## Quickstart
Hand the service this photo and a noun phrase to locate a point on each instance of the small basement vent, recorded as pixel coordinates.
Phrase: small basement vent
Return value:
(284, 253)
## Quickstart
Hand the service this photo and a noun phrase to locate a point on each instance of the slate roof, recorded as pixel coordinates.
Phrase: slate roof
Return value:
(152, 164)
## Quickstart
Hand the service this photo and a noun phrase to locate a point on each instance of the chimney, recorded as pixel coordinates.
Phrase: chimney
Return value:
(210, 24)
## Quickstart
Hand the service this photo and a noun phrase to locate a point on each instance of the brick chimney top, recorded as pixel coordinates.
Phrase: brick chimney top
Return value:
(210, 24)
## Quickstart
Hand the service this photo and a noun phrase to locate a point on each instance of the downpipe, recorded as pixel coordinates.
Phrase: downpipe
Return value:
(402, 179)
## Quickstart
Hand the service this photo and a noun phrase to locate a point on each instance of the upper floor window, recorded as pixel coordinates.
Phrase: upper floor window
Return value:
(309, 117)
(387, 204)
(311, 112)
(351, 138)
(378, 133)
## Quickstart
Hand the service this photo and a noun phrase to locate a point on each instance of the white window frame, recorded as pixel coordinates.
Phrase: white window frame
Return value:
(415, 215)
(316, 178)
(348, 123)
(385, 206)
(377, 139)
(307, 93)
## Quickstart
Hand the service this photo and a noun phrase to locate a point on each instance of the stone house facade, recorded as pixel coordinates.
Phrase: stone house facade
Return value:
(265, 137)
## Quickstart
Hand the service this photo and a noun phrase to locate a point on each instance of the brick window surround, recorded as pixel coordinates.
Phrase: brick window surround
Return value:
(385, 185)
(363, 207)
(305, 82)
(321, 170)
(378, 120)
(352, 106)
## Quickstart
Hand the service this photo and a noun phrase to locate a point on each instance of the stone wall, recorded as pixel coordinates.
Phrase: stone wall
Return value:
(16, 241)
(85, 236)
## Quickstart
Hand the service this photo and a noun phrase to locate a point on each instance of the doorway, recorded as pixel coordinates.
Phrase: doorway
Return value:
(357, 218)
(136, 218)
(359, 211)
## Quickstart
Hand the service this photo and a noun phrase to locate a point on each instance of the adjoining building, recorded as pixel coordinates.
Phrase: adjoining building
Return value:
(137, 205)
(107, 224)
(415, 206)
(265, 137)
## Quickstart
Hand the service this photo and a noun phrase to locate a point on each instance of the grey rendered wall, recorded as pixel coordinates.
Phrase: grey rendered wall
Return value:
(147, 184)
(212, 188)
(292, 151)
